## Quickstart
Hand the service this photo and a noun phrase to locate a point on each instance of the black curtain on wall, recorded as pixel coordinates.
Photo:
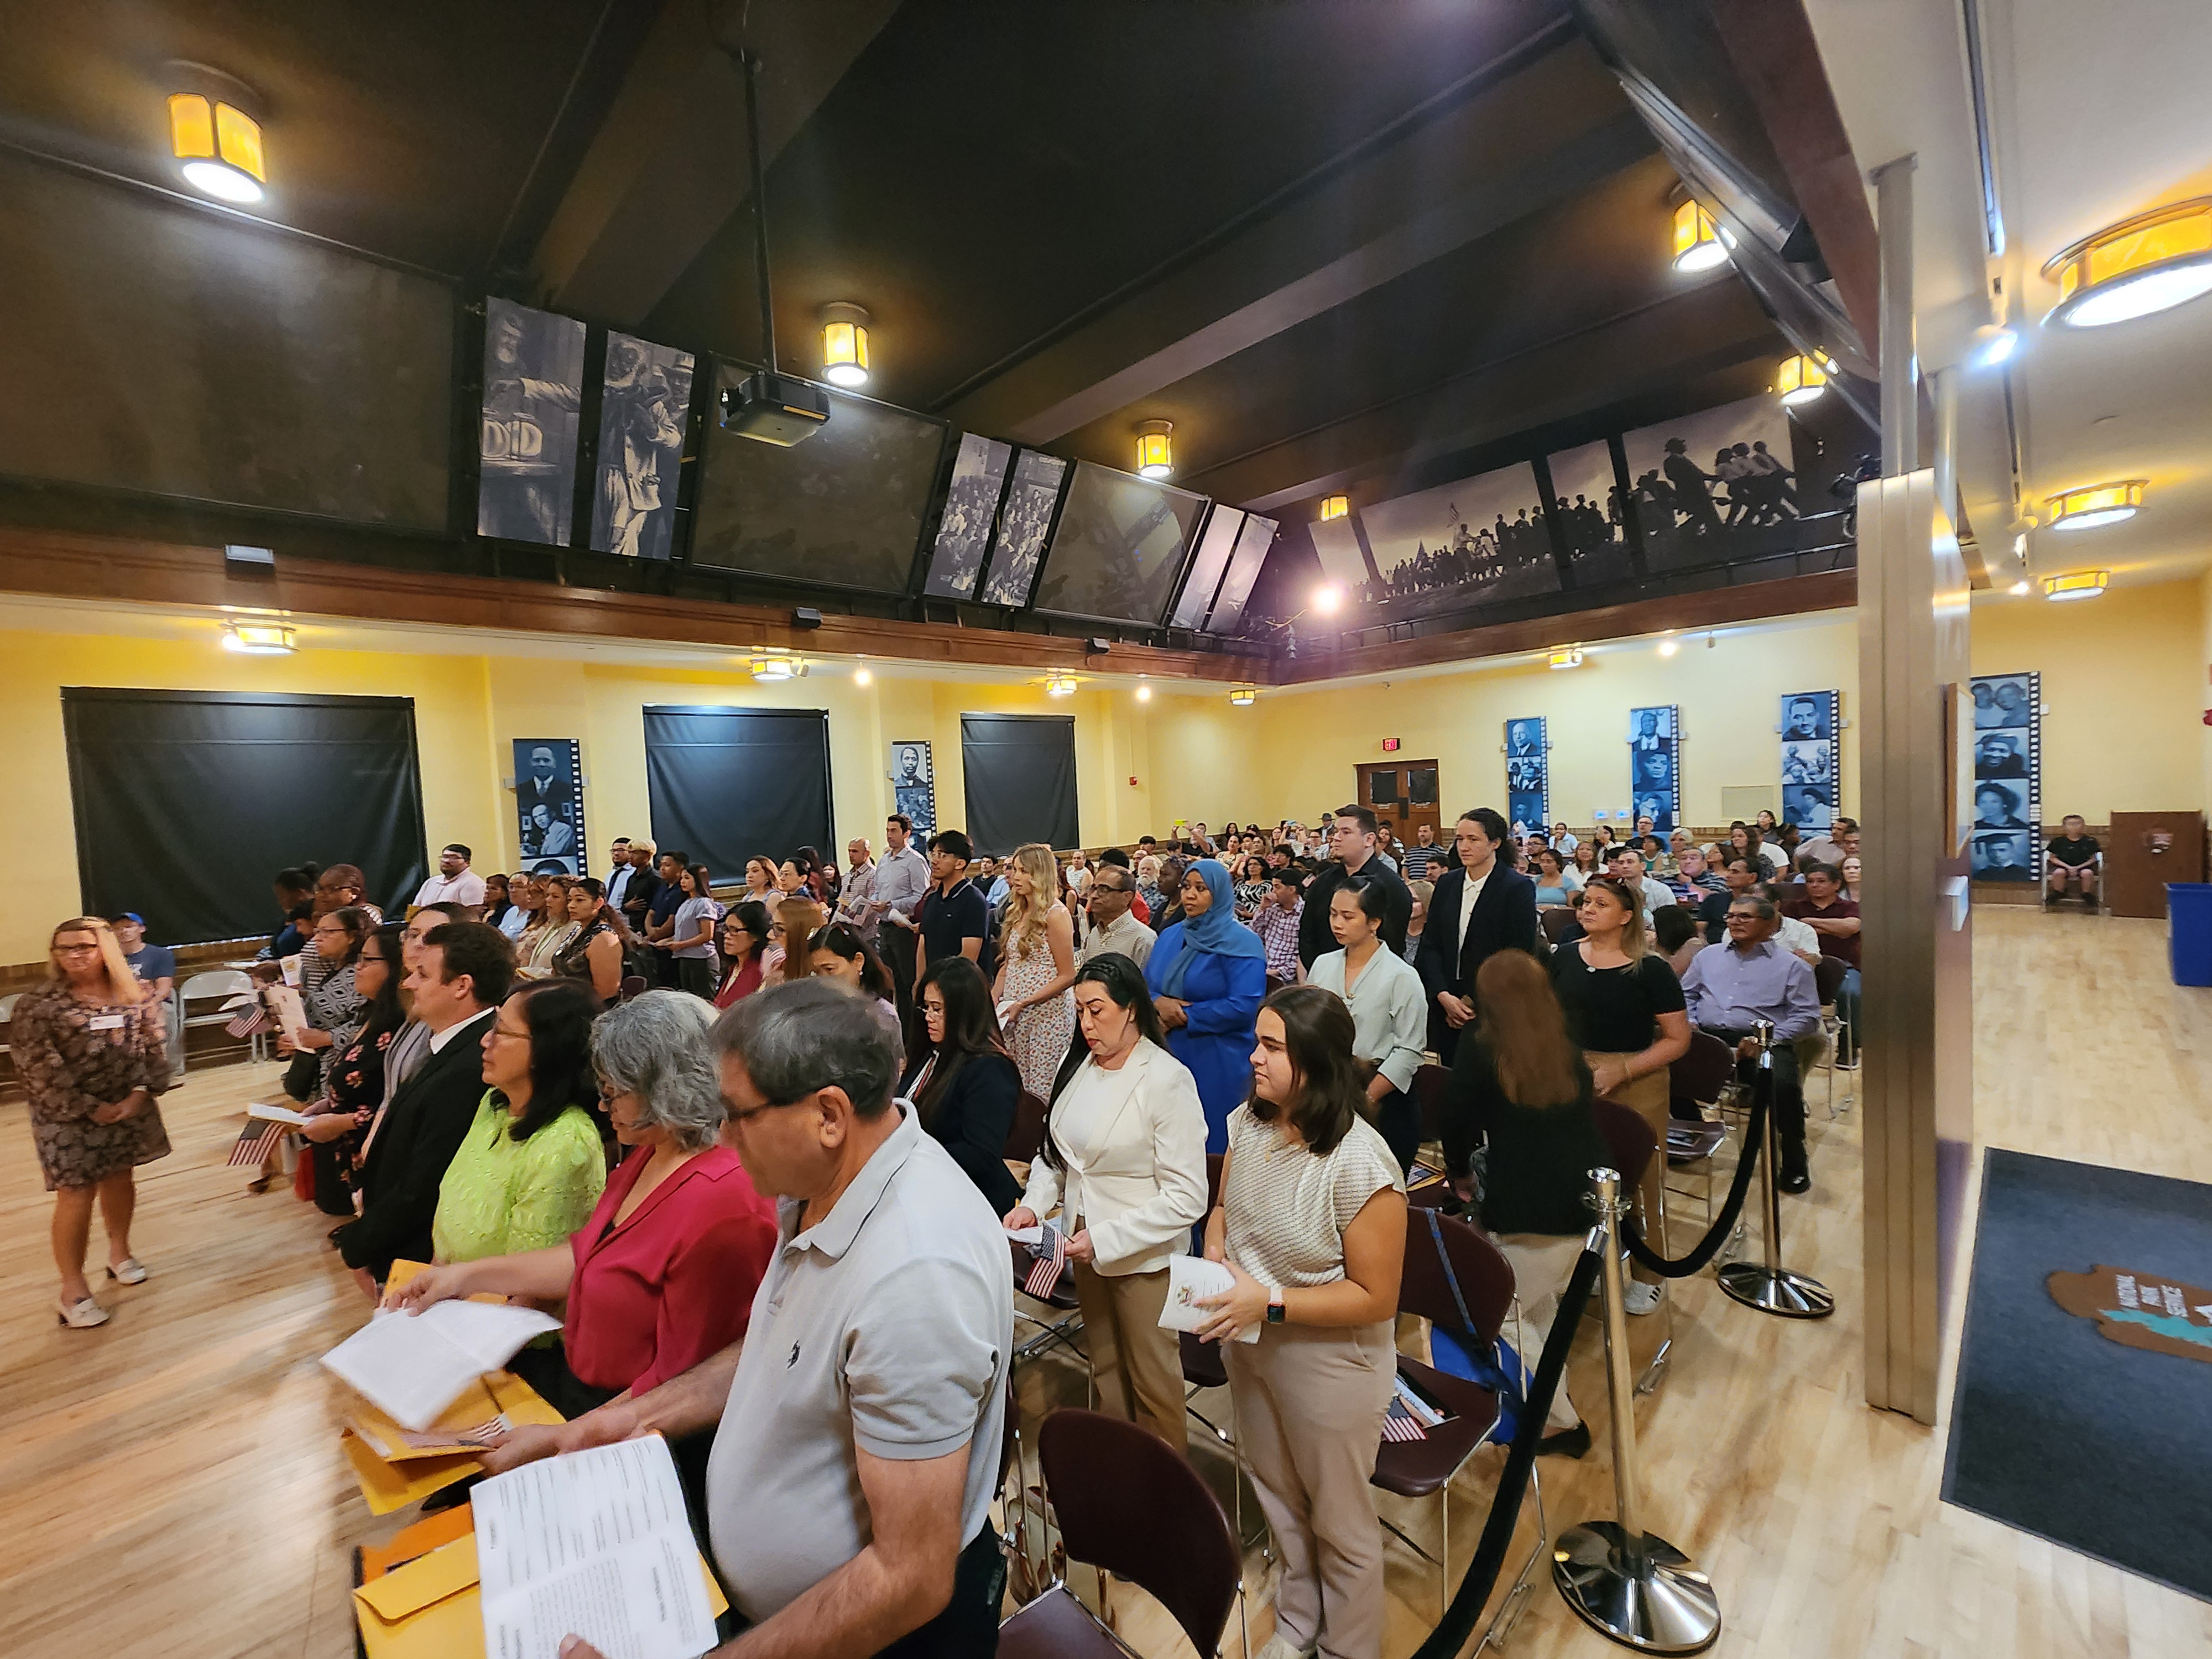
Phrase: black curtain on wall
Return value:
(1020, 781)
(188, 802)
(724, 784)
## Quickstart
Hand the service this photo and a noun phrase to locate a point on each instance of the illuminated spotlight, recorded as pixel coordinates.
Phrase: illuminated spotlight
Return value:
(1060, 685)
(1994, 347)
(1669, 647)
(1698, 244)
(1243, 695)
(1144, 694)
(2076, 585)
(1325, 598)
(2150, 263)
(218, 146)
(1567, 657)
(258, 639)
(861, 676)
(1155, 449)
(1802, 378)
(1334, 507)
(773, 665)
(2018, 588)
(845, 345)
(2096, 504)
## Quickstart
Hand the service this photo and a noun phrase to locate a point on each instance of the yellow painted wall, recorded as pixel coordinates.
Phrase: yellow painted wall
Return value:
(2124, 687)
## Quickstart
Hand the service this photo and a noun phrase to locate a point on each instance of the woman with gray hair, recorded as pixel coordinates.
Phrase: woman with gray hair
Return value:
(662, 1274)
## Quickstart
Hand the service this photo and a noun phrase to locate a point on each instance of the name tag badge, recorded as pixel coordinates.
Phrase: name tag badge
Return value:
(105, 1023)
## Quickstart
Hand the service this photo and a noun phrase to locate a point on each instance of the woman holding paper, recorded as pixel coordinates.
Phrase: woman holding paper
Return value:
(1311, 1225)
(92, 1053)
(530, 1168)
(662, 1274)
(1124, 1158)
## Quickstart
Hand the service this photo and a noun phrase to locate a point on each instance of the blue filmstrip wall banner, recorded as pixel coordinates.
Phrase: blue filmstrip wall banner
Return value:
(1812, 758)
(2008, 829)
(549, 806)
(1654, 766)
(1528, 774)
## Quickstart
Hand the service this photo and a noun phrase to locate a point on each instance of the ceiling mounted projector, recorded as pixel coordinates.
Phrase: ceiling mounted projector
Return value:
(775, 409)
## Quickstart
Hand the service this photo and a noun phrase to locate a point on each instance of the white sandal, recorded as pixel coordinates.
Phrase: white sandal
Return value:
(129, 1271)
(83, 1314)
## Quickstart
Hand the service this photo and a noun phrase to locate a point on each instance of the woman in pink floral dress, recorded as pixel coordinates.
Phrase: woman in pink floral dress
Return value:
(1037, 969)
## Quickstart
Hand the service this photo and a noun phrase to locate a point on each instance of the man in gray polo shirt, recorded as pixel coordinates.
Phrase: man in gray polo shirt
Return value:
(849, 1491)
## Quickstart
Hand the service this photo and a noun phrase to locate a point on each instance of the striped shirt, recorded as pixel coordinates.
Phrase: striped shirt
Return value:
(1285, 1210)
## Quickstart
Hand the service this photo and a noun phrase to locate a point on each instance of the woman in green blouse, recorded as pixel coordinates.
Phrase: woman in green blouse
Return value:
(533, 1163)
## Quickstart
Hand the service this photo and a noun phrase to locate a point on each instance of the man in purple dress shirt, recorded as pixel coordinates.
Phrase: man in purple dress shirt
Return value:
(1751, 978)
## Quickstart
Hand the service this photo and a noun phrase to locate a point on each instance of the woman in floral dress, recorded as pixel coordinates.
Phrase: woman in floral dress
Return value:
(93, 1054)
(1037, 969)
(354, 1085)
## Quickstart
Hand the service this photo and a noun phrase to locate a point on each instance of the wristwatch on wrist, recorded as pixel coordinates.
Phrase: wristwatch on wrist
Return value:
(1275, 1310)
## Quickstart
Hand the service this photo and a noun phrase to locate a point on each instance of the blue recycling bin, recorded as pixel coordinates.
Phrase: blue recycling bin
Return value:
(2189, 918)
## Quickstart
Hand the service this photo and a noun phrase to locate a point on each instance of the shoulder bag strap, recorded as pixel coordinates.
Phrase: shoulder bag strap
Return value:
(1443, 1259)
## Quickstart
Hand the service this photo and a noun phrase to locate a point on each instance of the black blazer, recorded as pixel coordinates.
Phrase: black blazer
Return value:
(1505, 919)
(422, 1128)
(974, 1120)
(637, 897)
(1315, 938)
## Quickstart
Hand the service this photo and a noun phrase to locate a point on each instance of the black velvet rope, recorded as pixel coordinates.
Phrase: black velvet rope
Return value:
(1481, 1575)
(1754, 1138)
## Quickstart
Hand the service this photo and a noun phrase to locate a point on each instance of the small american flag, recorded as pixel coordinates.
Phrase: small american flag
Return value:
(254, 1144)
(249, 1019)
(1051, 1262)
(1400, 1427)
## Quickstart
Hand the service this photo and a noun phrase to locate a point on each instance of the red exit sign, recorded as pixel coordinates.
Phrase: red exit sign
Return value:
(1390, 745)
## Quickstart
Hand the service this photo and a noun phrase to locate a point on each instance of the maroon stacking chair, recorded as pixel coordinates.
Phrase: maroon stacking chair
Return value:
(1127, 1503)
(1558, 925)
(1028, 1133)
(1632, 1145)
(1697, 1080)
(633, 987)
(1416, 1469)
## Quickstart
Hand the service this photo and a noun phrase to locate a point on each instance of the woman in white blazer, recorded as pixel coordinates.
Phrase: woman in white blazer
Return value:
(1124, 1160)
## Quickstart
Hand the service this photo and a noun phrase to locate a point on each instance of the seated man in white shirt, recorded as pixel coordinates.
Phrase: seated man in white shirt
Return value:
(1793, 935)
(455, 883)
(1627, 863)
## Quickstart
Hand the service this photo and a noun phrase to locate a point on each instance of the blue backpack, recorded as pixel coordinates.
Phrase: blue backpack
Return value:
(1458, 1353)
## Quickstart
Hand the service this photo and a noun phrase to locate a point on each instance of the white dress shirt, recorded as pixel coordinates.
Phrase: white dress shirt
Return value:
(1467, 897)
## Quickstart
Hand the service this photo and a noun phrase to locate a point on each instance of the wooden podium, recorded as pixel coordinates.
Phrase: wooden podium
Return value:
(2145, 851)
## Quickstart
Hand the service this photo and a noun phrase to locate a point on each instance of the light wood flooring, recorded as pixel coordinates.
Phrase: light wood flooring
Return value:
(171, 1485)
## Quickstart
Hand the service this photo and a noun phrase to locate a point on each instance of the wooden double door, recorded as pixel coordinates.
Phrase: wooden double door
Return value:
(1402, 793)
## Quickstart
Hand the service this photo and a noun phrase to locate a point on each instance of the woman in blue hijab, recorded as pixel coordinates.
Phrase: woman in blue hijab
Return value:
(1208, 974)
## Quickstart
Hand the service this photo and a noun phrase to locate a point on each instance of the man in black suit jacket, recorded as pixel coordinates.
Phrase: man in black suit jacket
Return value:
(1352, 838)
(460, 976)
(1458, 937)
(637, 897)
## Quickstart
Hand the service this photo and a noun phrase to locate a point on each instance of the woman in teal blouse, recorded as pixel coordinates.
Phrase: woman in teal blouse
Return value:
(533, 1163)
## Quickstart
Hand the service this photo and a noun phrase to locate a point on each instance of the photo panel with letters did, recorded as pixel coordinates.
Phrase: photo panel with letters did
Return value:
(1527, 775)
(1812, 758)
(533, 389)
(913, 785)
(1654, 766)
(548, 806)
(2008, 825)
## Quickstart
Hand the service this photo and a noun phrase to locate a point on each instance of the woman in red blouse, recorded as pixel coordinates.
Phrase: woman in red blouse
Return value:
(744, 952)
(664, 1272)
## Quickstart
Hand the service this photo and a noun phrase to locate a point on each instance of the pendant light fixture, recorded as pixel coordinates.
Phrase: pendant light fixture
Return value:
(1060, 685)
(1334, 507)
(214, 136)
(1567, 657)
(1243, 695)
(258, 639)
(845, 345)
(2150, 263)
(1155, 449)
(771, 665)
(1697, 245)
(2096, 504)
(2076, 585)
(1802, 378)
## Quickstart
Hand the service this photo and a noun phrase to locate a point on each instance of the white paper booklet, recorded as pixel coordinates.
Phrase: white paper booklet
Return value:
(412, 1367)
(592, 1544)
(286, 1008)
(269, 1113)
(1192, 1279)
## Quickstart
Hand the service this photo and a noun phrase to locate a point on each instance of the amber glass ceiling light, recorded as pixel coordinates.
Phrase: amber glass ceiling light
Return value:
(773, 665)
(1335, 506)
(2149, 263)
(1155, 449)
(2076, 585)
(219, 146)
(1568, 656)
(1697, 245)
(845, 345)
(1060, 685)
(2086, 508)
(1243, 695)
(254, 639)
(1802, 378)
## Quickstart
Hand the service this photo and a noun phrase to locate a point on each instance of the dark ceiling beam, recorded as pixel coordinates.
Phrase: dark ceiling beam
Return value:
(667, 167)
(1456, 178)
(1653, 346)
(1771, 45)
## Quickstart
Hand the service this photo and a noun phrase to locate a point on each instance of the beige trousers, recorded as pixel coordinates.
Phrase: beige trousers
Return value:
(1542, 1263)
(1309, 1406)
(1136, 1365)
(1649, 1097)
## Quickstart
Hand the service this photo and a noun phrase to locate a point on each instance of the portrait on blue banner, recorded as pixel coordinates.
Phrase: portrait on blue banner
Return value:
(1812, 758)
(548, 806)
(1655, 779)
(1528, 774)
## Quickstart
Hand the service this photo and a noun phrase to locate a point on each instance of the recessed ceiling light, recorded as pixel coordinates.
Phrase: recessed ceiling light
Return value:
(1144, 694)
(2151, 263)
(2018, 588)
(1994, 347)
(2096, 504)
(1669, 647)
(862, 676)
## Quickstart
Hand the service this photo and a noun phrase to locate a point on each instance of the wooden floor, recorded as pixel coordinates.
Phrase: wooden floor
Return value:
(171, 1485)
